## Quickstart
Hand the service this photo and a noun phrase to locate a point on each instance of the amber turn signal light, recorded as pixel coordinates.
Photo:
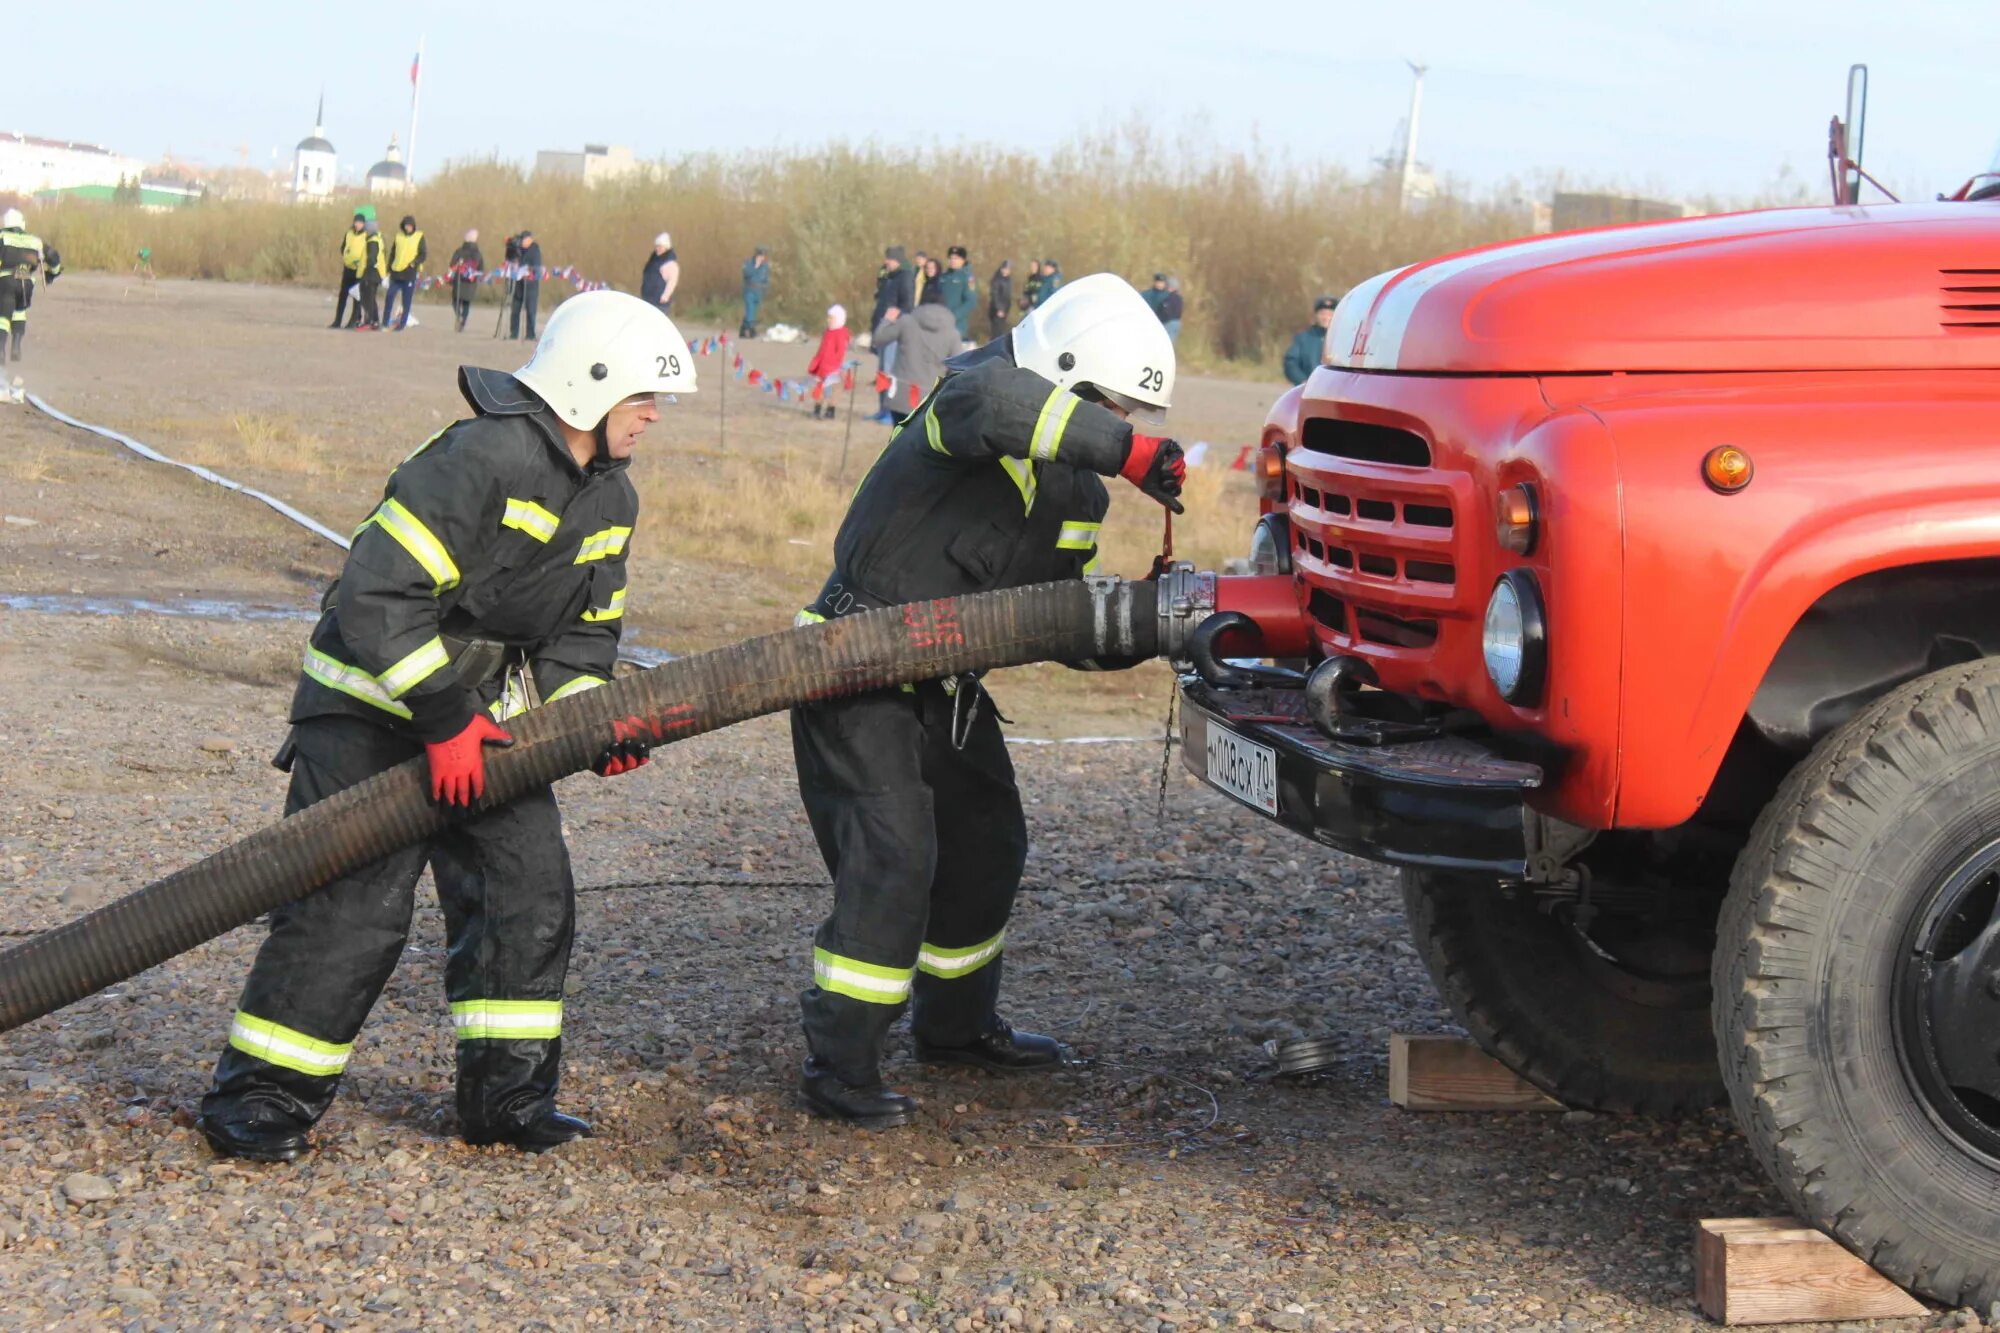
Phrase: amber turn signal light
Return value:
(1727, 469)
(1517, 519)
(1271, 472)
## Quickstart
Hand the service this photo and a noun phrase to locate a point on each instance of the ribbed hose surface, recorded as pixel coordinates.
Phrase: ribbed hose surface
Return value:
(285, 861)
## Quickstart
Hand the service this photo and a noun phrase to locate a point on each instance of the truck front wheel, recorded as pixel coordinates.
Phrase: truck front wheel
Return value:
(1611, 1015)
(1857, 986)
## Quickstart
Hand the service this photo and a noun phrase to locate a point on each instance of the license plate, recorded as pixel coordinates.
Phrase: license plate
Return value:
(1246, 770)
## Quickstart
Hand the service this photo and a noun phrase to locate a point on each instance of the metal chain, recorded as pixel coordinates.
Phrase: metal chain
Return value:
(1167, 748)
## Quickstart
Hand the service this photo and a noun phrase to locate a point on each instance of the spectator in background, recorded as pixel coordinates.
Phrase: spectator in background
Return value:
(1156, 295)
(756, 281)
(374, 268)
(662, 274)
(1170, 309)
(829, 358)
(894, 293)
(1031, 286)
(1051, 279)
(961, 290)
(408, 253)
(1000, 299)
(466, 264)
(920, 273)
(1308, 347)
(928, 338)
(929, 272)
(353, 249)
(527, 252)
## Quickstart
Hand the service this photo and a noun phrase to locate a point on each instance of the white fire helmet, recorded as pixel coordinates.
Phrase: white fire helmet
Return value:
(12, 220)
(1098, 331)
(602, 347)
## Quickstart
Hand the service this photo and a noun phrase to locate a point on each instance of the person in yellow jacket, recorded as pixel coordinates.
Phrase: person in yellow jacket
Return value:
(374, 270)
(406, 259)
(353, 250)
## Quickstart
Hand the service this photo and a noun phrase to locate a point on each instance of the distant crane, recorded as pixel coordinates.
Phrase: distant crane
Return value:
(1406, 176)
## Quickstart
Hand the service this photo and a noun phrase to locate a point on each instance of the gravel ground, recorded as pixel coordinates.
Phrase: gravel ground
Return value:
(1173, 1184)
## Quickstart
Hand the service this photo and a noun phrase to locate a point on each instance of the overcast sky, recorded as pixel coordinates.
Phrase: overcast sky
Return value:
(1690, 97)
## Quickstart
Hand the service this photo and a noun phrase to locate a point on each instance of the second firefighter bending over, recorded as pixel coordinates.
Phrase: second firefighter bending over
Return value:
(492, 572)
(23, 259)
(995, 481)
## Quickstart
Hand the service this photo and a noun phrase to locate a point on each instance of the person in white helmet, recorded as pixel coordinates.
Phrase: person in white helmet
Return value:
(23, 259)
(995, 481)
(490, 578)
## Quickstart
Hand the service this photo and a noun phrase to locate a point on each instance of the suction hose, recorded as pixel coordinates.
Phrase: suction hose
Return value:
(282, 862)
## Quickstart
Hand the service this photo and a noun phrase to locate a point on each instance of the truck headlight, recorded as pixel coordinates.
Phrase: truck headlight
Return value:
(1515, 640)
(1271, 545)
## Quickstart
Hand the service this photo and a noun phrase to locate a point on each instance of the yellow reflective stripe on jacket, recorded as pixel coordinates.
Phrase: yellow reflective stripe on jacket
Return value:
(931, 428)
(511, 1020)
(808, 617)
(601, 545)
(415, 669)
(1023, 473)
(1050, 424)
(948, 963)
(577, 686)
(286, 1047)
(1092, 565)
(870, 983)
(414, 537)
(531, 518)
(1078, 536)
(614, 611)
(419, 449)
(351, 681)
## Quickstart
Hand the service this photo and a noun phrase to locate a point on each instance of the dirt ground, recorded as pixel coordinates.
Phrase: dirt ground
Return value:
(1174, 1183)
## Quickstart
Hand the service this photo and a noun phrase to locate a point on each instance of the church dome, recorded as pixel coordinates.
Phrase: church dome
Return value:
(315, 144)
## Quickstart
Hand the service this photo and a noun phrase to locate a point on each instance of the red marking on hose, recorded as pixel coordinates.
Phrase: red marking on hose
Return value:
(934, 625)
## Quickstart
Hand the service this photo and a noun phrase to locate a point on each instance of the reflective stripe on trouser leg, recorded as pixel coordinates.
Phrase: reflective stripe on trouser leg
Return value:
(327, 956)
(509, 905)
(982, 841)
(861, 780)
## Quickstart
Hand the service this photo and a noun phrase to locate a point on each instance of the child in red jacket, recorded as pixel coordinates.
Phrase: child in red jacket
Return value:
(829, 360)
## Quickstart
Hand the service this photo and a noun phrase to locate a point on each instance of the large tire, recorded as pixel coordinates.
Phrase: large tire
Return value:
(1535, 998)
(1864, 880)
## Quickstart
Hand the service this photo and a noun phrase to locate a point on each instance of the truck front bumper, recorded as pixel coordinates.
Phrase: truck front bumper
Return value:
(1444, 802)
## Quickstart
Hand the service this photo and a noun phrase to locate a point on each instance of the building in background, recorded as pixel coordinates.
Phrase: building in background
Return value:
(595, 164)
(154, 196)
(1574, 210)
(30, 165)
(389, 176)
(313, 161)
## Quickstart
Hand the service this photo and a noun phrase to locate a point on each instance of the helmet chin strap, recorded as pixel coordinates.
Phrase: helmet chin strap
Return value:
(603, 439)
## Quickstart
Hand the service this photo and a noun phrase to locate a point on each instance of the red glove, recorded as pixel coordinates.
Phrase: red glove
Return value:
(458, 766)
(1157, 468)
(622, 757)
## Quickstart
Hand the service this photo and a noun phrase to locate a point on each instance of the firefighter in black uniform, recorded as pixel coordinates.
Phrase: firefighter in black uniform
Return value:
(493, 572)
(22, 258)
(994, 482)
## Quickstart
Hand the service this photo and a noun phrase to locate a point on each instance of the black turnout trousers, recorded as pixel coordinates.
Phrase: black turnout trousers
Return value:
(503, 880)
(925, 843)
(529, 295)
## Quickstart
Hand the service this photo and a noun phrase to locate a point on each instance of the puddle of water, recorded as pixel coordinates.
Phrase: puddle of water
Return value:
(188, 608)
(212, 608)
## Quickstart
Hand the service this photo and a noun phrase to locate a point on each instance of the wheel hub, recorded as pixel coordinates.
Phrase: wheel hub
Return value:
(1947, 997)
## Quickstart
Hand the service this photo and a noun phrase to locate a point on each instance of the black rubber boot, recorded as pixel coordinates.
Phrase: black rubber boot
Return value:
(550, 1129)
(255, 1137)
(870, 1106)
(1001, 1050)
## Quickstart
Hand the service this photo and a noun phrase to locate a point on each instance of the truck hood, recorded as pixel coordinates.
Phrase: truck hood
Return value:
(1890, 287)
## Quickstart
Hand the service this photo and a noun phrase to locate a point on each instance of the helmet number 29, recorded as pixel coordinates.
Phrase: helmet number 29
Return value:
(1152, 380)
(669, 366)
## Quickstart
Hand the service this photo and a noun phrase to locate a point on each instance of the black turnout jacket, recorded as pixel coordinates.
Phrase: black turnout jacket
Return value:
(488, 532)
(994, 482)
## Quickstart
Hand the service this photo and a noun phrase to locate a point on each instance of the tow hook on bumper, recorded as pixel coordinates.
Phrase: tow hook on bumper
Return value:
(1439, 801)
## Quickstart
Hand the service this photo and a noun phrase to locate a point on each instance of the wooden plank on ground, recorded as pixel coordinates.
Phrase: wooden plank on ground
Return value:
(1429, 1073)
(1777, 1270)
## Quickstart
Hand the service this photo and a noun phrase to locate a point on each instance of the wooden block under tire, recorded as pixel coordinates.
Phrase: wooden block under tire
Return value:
(1428, 1073)
(1778, 1270)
